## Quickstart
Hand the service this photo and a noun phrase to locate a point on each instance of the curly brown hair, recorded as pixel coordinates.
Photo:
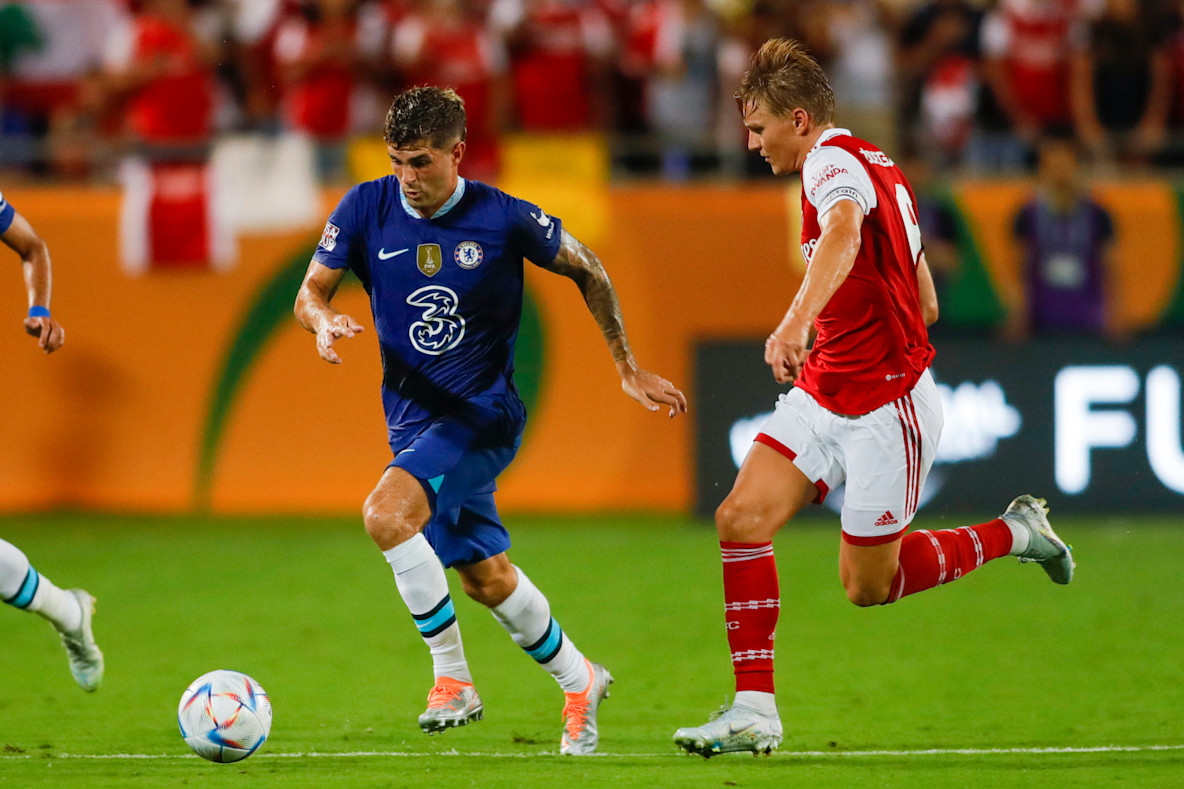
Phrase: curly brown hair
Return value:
(425, 114)
(783, 76)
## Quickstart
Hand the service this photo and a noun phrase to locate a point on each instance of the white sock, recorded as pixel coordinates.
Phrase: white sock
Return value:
(423, 587)
(23, 587)
(1020, 537)
(764, 703)
(526, 615)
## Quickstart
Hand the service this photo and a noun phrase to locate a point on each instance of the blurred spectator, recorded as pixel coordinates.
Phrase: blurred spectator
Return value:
(938, 71)
(159, 72)
(1065, 242)
(50, 53)
(160, 79)
(445, 43)
(1121, 83)
(681, 94)
(251, 28)
(322, 54)
(559, 53)
(852, 39)
(1027, 45)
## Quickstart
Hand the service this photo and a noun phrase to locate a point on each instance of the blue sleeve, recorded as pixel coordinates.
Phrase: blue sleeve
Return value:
(7, 214)
(342, 232)
(539, 235)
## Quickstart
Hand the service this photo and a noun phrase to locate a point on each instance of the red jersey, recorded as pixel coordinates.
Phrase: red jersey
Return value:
(872, 345)
(176, 105)
(1034, 38)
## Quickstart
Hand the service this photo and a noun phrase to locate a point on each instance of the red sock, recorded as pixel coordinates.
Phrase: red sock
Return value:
(932, 558)
(752, 601)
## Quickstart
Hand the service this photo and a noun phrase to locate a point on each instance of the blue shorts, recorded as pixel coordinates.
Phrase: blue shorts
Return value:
(457, 459)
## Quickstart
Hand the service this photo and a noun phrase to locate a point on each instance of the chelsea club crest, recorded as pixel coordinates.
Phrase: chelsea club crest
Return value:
(468, 254)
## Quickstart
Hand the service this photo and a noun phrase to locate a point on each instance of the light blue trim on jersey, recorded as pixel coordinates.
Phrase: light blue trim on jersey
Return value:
(446, 614)
(436, 482)
(546, 650)
(449, 204)
(28, 590)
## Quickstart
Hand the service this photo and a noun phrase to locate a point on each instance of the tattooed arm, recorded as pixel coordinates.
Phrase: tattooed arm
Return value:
(581, 265)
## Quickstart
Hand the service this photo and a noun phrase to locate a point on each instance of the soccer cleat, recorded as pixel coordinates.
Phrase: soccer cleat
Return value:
(1044, 546)
(86, 661)
(580, 735)
(731, 730)
(451, 703)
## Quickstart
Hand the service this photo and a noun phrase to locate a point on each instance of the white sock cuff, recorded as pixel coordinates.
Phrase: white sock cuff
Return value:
(1019, 538)
(410, 554)
(523, 595)
(13, 569)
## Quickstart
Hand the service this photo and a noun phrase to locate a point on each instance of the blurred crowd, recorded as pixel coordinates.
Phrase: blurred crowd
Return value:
(972, 84)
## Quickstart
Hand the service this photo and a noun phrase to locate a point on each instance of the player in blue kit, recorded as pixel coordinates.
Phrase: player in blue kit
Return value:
(442, 260)
(21, 586)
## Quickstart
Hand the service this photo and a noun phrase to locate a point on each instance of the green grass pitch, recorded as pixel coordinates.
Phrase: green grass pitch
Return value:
(985, 674)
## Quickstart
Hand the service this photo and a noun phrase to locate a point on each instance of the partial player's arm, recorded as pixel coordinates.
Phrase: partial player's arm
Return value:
(581, 265)
(789, 344)
(928, 292)
(314, 313)
(34, 253)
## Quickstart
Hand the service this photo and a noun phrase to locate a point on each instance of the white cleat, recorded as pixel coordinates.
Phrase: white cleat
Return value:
(732, 730)
(580, 735)
(86, 660)
(1044, 546)
(451, 703)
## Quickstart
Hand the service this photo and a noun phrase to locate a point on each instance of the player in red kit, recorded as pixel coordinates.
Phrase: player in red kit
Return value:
(864, 409)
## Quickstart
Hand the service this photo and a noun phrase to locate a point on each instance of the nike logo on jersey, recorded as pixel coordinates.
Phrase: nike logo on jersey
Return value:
(542, 218)
(384, 255)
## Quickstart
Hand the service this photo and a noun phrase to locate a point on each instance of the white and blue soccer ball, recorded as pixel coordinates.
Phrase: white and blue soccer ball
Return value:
(224, 716)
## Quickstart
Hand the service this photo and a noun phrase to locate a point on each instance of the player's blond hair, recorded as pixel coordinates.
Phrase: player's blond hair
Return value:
(783, 76)
(425, 114)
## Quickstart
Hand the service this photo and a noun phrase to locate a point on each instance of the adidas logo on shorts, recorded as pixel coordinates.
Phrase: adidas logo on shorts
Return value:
(886, 520)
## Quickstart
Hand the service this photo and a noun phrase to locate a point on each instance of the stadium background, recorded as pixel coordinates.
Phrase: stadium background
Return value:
(189, 460)
(191, 390)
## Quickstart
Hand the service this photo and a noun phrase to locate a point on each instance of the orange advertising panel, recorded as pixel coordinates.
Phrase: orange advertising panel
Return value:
(182, 390)
(121, 417)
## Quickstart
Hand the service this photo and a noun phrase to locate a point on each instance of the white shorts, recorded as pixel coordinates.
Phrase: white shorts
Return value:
(883, 456)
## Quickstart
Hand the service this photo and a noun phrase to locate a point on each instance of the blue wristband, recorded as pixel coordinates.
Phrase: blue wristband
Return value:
(38, 312)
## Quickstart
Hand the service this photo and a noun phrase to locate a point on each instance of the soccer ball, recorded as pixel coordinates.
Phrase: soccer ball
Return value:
(224, 716)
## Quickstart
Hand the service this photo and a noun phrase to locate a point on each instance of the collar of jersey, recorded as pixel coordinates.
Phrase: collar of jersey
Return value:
(449, 204)
(826, 135)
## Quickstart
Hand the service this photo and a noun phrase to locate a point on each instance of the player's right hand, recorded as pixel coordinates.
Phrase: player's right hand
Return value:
(786, 356)
(329, 332)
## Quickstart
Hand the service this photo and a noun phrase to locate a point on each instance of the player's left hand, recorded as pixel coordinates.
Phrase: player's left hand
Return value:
(651, 390)
(49, 333)
(785, 352)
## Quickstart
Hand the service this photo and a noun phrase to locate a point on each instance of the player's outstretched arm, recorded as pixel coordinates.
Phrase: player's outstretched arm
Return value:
(789, 344)
(314, 313)
(581, 265)
(22, 239)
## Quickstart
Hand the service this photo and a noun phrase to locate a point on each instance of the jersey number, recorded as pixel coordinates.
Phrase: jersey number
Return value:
(439, 329)
(908, 213)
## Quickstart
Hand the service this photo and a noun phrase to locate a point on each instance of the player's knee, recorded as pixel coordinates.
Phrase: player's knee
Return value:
(385, 525)
(737, 521)
(490, 590)
(864, 594)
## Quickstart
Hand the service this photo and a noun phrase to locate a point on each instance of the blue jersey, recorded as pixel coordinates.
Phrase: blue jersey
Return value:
(7, 214)
(445, 292)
